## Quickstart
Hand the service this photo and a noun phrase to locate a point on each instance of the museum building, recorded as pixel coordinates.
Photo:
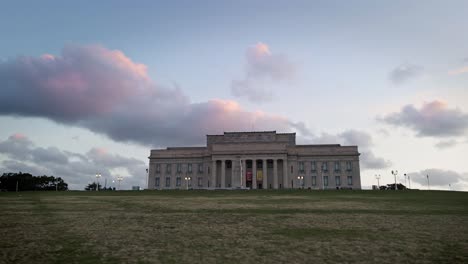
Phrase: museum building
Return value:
(255, 160)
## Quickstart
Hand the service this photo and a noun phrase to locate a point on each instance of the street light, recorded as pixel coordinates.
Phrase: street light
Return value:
(378, 180)
(187, 179)
(301, 181)
(119, 179)
(395, 174)
(98, 175)
(405, 178)
(428, 186)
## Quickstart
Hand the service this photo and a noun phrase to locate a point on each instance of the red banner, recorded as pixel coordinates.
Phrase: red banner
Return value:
(249, 175)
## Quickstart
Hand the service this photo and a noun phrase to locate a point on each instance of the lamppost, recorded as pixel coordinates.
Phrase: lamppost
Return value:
(301, 181)
(405, 178)
(409, 181)
(428, 186)
(98, 175)
(378, 180)
(119, 179)
(187, 179)
(395, 174)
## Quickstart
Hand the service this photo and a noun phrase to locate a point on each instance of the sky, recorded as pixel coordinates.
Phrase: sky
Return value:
(91, 86)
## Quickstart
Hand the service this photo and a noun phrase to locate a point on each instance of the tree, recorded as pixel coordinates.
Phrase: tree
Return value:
(28, 182)
(92, 187)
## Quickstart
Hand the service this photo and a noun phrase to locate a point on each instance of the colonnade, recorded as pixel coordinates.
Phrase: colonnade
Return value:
(245, 174)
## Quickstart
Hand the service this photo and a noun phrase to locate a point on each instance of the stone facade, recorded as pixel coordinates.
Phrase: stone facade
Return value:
(257, 160)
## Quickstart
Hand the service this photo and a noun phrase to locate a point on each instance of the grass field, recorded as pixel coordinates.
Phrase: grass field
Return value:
(234, 227)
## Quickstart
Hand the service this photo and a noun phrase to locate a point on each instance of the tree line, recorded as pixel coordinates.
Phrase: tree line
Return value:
(27, 182)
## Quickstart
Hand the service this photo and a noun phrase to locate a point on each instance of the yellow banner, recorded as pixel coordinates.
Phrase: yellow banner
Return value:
(259, 175)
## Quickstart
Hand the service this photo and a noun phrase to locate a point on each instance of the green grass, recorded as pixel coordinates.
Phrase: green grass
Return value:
(234, 227)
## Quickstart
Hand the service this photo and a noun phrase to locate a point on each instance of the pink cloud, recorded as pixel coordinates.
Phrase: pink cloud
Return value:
(105, 91)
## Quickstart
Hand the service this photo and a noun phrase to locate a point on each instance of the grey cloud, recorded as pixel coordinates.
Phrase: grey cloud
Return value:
(364, 142)
(405, 72)
(439, 177)
(75, 168)
(432, 119)
(104, 91)
(262, 65)
(444, 144)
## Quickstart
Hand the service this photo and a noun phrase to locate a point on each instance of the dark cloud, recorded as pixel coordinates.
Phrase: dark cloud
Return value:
(76, 169)
(404, 73)
(439, 178)
(432, 119)
(359, 138)
(106, 92)
(262, 65)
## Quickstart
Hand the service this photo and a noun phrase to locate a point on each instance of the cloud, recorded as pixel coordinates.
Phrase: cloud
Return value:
(76, 169)
(106, 92)
(361, 139)
(459, 71)
(439, 177)
(262, 65)
(405, 72)
(446, 144)
(433, 119)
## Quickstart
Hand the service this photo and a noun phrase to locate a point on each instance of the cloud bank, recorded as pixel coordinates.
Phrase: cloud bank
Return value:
(433, 119)
(440, 178)
(106, 92)
(262, 69)
(21, 154)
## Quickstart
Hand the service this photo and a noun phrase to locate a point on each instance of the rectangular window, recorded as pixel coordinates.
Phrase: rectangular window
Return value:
(168, 181)
(324, 166)
(314, 180)
(158, 168)
(350, 180)
(178, 181)
(325, 180)
(312, 166)
(348, 166)
(337, 166)
(189, 168)
(168, 168)
(200, 182)
(179, 168)
(301, 167)
(200, 168)
(157, 182)
(337, 180)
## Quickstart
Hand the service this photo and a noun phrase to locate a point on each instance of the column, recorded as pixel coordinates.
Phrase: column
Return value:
(275, 174)
(285, 174)
(254, 174)
(265, 174)
(223, 174)
(213, 174)
(244, 172)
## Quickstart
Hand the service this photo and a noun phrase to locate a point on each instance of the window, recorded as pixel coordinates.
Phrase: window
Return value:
(157, 182)
(158, 168)
(301, 166)
(314, 180)
(189, 168)
(178, 181)
(168, 168)
(179, 168)
(324, 166)
(350, 180)
(325, 180)
(348, 166)
(337, 180)
(337, 166)
(168, 181)
(312, 166)
(200, 182)
(200, 168)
